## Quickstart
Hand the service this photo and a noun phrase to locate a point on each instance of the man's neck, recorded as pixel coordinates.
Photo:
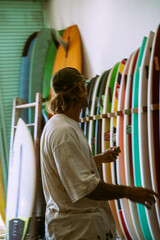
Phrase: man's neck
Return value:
(73, 113)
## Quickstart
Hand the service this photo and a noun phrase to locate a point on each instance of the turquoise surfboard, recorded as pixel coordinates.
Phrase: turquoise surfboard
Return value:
(135, 142)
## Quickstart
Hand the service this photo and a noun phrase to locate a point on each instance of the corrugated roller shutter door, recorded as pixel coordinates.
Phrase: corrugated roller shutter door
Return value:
(18, 20)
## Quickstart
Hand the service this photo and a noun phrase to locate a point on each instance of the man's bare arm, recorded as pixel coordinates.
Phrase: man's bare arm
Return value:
(105, 191)
(110, 155)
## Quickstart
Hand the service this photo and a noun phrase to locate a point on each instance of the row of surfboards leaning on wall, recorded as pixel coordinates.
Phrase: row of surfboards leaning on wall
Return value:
(123, 110)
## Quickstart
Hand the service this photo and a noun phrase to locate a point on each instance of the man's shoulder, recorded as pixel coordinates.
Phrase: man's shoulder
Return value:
(59, 126)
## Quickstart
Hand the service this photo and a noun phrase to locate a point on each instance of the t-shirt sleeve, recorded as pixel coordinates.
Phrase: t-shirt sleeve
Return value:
(75, 171)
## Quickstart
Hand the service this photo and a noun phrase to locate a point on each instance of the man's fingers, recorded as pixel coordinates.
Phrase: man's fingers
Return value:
(115, 149)
(156, 195)
(113, 156)
(149, 206)
(118, 149)
(151, 201)
(153, 193)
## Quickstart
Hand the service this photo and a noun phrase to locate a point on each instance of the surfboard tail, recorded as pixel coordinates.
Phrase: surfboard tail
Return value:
(17, 228)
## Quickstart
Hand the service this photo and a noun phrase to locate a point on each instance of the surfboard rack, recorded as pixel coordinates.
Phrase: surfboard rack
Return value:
(157, 64)
(19, 104)
(36, 223)
(153, 107)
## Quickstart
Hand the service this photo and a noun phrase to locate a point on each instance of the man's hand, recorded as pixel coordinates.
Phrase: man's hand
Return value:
(110, 155)
(105, 191)
(142, 195)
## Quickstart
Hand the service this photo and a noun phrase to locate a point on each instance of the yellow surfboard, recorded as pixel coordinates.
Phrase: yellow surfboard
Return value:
(68, 55)
(2, 195)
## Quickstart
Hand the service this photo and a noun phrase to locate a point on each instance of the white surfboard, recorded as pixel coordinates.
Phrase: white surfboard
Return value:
(106, 167)
(120, 169)
(91, 140)
(128, 164)
(21, 183)
(143, 134)
(152, 156)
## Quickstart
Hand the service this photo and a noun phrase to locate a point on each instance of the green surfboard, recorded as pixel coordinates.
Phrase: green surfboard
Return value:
(49, 61)
(38, 59)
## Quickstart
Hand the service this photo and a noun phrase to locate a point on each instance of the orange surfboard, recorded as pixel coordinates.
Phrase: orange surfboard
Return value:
(70, 55)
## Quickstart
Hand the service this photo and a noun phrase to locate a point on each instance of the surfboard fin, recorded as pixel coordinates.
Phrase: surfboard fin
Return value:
(64, 44)
(56, 43)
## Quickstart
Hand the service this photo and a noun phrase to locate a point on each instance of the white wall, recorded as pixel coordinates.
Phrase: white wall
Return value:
(110, 29)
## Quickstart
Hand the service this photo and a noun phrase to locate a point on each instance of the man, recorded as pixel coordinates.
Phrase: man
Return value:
(76, 197)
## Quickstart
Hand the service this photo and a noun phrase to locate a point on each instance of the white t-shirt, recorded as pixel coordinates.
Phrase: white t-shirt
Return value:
(69, 173)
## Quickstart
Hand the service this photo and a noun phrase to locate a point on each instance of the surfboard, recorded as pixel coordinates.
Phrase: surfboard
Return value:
(91, 125)
(49, 62)
(82, 115)
(3, 147)
(113, 134)
(21, 183)
(2, 229)
(85, 112)
(90, 84)
(120, 161)
(2, 198)
(128, 164)
(96, 124)
(117, 83)
(96, 108)
(153, 115)
(99, 110)
(135, 142)
(106, 142)
(90, 100)
(113, 120)
(71, 57)
(143, 133)
(24, 74)
(38, 58)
